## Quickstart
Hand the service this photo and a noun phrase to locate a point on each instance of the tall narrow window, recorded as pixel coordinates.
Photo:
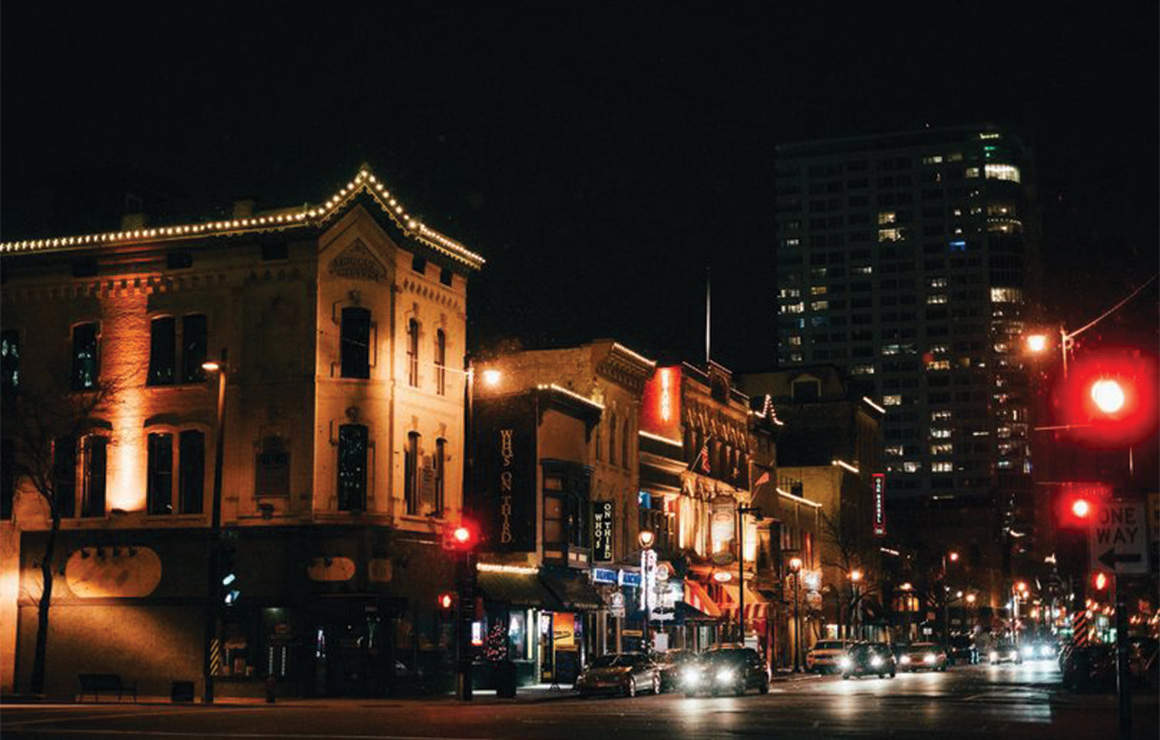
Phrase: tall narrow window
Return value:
(413, 353)
(612, 440)
(440, 474)
(9, 362)
(352, 467)
(94, 468)
(191, 474)
(85, 360)
(356, 342)
(162, 351)
(411, 473)
(64, 476)
(193, 348)
(272, 473)
(441, 362)
(624, 446)
(7, 477)
(159, 481)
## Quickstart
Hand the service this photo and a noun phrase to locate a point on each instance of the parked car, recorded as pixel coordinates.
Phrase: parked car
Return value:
(732, 670)
(1004, 652)
(619, 673)
(963, 650)
(923, 656)
(824, 655)
(670, 664)
(868, 658)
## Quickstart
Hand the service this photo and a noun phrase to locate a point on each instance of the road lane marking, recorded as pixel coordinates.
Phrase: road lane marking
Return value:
(168, 712)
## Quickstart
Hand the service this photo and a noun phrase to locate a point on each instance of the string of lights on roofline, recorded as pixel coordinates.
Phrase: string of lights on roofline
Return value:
(306, 216)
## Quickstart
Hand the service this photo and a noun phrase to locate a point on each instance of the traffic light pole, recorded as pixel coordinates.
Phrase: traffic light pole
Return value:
(465, 616)
(1123, 679)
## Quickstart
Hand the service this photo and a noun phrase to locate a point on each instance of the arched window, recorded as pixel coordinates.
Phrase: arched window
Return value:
(440, 475)
(352, 467)
(413, 353)
(612, 440)
(624, 446)
(411, 473)
(441, 362)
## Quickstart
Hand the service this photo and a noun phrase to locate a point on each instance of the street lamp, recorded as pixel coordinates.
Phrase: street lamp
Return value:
(906, 589)
(856, 598)
(795, 567)
(741, 512)
(952, 557)
(213, 588)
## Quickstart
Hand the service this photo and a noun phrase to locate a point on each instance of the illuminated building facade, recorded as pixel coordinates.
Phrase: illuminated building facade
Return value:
(341, 328)
(908, 259)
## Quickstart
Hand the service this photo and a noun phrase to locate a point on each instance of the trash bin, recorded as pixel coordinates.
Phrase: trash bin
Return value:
(505, 679)
(181, 691)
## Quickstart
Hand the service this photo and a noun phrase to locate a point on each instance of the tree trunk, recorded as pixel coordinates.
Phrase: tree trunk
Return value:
(40, 657)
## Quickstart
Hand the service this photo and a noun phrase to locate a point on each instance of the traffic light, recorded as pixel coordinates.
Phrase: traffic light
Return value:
(446, 601)
(1078, 503)
(1101, 581)
(1109, 399)
(462, 537)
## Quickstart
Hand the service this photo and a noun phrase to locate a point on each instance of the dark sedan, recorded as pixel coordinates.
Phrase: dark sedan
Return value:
(922, 656)
(670, 664)
(726, 670)
(868, 658)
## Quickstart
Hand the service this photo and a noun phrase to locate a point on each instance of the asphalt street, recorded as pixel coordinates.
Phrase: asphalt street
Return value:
(1023, 702)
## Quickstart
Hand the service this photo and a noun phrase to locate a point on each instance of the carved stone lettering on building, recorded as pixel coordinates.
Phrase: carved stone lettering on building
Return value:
(357, 262)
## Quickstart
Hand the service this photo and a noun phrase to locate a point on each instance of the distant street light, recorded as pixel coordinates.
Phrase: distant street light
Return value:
(646, 539)
(1036, 343)
(491, 377)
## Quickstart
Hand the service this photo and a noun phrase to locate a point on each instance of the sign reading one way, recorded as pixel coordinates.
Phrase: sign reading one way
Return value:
(1118, 538)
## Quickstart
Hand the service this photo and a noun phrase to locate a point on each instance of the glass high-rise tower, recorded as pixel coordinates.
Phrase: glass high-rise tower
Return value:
(908, 259)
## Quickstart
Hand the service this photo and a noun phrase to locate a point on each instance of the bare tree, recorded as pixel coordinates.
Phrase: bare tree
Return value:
(38, 420)
(850, 552)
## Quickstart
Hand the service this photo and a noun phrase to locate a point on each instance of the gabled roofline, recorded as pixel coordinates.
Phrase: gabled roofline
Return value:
(287, 219)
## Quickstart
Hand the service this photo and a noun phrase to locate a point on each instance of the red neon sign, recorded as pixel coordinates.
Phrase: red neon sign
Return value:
(661, 404)
(879, 483)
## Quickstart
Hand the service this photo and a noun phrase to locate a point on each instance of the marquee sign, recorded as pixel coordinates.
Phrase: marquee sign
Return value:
(503, 498)
(879, 483)
(602, 512)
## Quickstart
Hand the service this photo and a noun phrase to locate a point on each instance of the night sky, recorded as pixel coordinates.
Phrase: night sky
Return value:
(602, 156)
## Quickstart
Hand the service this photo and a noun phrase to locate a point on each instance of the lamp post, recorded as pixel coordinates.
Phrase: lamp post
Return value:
(795, 568)
(906, 588)
(856, 606)
(952, 557)
(741, 512)
(213, 584)
(645, 538)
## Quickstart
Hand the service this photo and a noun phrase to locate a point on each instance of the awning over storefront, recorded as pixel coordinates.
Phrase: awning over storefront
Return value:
(756, 607)
(698, 598)
(518, 589)
(576, 593)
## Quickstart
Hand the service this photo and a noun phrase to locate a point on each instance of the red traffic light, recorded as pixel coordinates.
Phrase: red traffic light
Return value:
(446, 600)
(1100, 581)
(1081, 508)
(1109, 399)
(462, 537)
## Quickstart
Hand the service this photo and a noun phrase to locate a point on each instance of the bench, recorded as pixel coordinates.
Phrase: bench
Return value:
(95, 683)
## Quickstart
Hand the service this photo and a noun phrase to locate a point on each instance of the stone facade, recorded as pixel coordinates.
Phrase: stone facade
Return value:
(273, 292)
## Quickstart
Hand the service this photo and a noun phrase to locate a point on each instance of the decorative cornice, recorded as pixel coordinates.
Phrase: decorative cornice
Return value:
(289, 219)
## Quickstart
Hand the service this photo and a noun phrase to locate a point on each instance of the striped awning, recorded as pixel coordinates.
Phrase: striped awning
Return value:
(697, 597)
(756, 607)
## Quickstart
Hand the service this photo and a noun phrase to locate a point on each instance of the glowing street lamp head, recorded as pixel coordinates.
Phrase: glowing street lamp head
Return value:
(1036, 342)
(795, 564)
(906, 586)
(211, 366)
(1107, 395)
(855, 575)
(491, 377)
(646, 539)
(954, 557)
(971, 598)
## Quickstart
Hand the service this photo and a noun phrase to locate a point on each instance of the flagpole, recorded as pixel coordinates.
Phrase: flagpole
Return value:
(708, 307)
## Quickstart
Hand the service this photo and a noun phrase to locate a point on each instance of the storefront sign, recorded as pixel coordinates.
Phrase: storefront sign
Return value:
(721, 529)
(628, 578)
(648, 569)
(602, 512)
(879, 504)
(660, 412)
(616, 606)
(604, 575)
(504, 497)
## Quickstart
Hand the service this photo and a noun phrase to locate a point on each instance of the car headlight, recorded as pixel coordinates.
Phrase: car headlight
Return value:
(905, 660)
(843, 662)
(876, 662)
(725, 675)
(928, 659)
(1045, 650)
(993, 655)
(1029, 652)
(691, 676)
